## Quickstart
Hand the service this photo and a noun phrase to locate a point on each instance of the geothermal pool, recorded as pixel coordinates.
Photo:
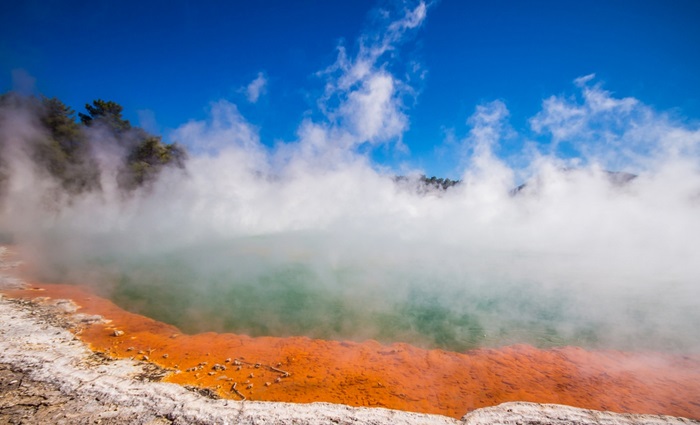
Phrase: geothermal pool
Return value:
(456, 295)
(397, 376)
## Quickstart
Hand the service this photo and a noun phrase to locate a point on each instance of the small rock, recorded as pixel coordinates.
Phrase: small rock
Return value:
(117, 332)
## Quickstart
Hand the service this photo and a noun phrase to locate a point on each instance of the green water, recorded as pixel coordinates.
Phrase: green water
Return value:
(290, 302)
(267, 295)
(293, 299)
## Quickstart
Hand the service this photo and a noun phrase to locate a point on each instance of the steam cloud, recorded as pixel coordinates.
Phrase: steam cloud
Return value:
(312, 237)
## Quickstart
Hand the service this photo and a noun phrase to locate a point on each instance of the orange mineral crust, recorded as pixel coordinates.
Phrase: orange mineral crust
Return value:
(397, 376)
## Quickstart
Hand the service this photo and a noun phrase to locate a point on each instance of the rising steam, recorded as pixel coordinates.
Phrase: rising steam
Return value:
(311, 237)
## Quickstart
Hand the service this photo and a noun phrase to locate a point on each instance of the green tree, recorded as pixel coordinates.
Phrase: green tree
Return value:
(107, 113)
(147, 159)
(438, 183)
(60, 121)
(146, 155)
(65, 152)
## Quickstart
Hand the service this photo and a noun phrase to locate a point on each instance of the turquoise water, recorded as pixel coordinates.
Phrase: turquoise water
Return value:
(293, 299)
(298, 286)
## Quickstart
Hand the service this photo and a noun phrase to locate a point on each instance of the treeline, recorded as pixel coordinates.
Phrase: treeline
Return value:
(438, 183)
(427, 184)
(66, 148)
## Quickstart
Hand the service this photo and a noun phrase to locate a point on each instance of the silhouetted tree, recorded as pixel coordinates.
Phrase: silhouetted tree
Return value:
(438, 183)
(107, 113)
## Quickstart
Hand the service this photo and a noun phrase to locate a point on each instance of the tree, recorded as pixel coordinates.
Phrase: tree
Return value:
(63, 149)
(438, 183)
(65, 153)
(146, 155)
(59, 148)
(107, 113)
(59, 120)
(147, 159)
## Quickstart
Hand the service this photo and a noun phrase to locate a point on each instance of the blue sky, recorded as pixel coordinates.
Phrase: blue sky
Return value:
(167, 61)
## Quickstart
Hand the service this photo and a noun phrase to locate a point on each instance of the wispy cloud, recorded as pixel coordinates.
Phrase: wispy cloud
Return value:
(362, 95)
(225, 129)
(615, 132)
(256, 88)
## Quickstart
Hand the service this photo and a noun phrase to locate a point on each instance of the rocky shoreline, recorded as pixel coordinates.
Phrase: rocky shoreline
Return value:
(47, 375)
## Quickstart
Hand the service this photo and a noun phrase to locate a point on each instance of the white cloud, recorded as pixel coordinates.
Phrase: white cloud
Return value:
(581, 81)
(566, 118)
(256, 88)
(362, 96)
(487, 127)
(225, 130)
(412, 19)
(371, 112)
(616, 132)
(486, 175)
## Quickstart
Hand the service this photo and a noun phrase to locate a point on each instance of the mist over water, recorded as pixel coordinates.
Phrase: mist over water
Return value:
(310, 237)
